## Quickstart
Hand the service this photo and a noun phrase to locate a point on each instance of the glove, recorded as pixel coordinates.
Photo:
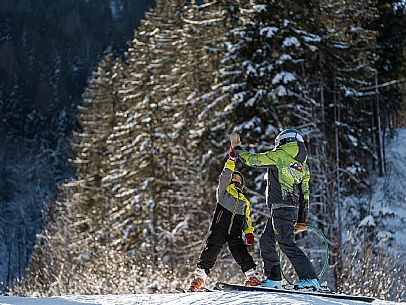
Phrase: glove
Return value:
(235, 140)
(249, 239)
(299, 227)
(232, 153)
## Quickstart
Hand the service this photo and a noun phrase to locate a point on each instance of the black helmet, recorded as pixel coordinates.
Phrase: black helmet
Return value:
(288, 135)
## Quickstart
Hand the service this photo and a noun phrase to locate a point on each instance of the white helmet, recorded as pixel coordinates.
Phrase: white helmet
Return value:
(288, 135)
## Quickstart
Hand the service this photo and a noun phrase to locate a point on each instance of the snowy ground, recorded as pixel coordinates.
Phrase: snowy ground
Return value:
(235, 298)
(388, 201)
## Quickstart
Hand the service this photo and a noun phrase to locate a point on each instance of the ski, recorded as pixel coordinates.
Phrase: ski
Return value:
(233, 287)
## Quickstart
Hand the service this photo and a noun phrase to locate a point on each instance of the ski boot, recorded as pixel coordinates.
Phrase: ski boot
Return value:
(253, 278)
(308, 283)
(271, 284)
(198, 281)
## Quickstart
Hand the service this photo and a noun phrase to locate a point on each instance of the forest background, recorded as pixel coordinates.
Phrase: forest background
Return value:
(132, 212)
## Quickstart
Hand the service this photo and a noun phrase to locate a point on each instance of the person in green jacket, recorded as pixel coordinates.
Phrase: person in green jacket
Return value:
(287, 196)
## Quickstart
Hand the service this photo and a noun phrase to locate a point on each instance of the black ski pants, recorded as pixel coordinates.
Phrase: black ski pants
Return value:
(280, 228)
(219, 236)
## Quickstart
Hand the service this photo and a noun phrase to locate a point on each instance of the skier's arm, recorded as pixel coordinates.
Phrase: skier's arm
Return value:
(225, 177)
(248, 228)
(304, 198)
(257, 159)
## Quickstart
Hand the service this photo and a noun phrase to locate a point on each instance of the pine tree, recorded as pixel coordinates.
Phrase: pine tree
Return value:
(128, 151)
(199, 54)
(264, 78)
(141, 176)
(390, 25)
(96, 117)
(346, 65)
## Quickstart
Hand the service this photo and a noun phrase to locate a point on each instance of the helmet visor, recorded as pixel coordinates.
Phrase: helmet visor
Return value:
(286, 135)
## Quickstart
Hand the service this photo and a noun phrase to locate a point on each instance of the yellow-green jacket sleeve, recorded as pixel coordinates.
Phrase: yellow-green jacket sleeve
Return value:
(257, 159)
(248, 228)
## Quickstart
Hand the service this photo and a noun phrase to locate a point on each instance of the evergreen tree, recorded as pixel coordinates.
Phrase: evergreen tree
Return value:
(346, 65)
(96, 117)
(391, 72)
(264, 77)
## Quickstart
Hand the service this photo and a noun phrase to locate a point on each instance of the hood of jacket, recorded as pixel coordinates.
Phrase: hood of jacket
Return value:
(297, 150)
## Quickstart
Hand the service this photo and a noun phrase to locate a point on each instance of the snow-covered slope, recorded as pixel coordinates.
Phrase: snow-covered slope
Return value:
(199, 298)
(389, 197)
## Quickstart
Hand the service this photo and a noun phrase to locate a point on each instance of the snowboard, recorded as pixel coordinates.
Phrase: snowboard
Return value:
(233, 287)
(203, 289)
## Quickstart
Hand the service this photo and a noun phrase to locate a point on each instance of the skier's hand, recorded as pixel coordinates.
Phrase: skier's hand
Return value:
(235, 140)
(299, 227)
(232, 153)
(249, 239)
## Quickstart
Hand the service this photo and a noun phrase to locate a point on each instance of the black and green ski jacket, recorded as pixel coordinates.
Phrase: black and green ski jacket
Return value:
(288, 175)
